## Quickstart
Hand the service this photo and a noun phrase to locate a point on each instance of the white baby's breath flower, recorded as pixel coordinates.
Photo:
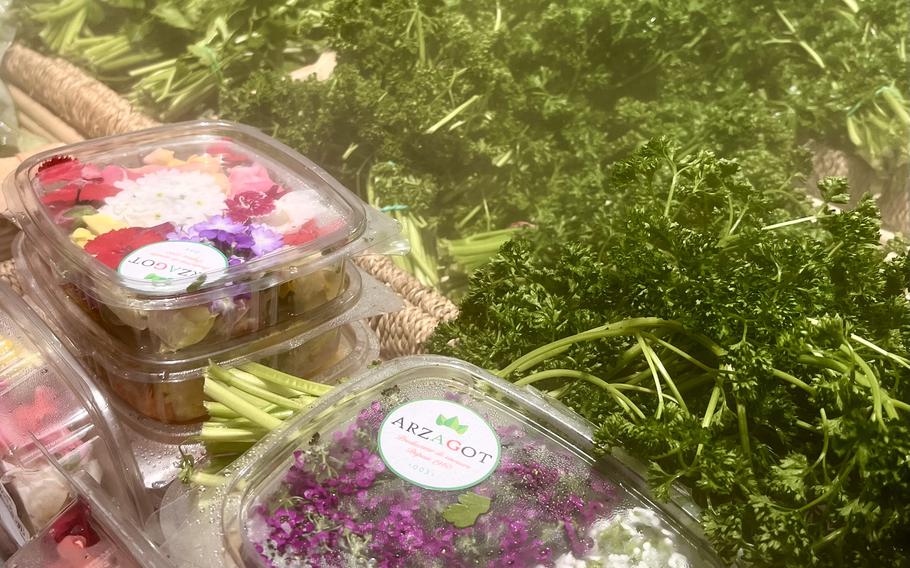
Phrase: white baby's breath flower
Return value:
(166, 196)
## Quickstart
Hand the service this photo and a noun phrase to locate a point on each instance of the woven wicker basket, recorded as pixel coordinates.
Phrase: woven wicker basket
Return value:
(70, 104)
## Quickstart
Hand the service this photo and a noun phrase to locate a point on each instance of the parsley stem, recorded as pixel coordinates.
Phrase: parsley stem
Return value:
(810, 218)
(743, 425)
(222, 394)
(678, 351)
(712, 406)
(821, 460)
(871, 381)
(826, 362)
(829, 538)
(207, 479)
(663, 372)
(652, 366)
(835, 485)
(211, 432)
(615, 329)
(227, 378)
(793, 380)
(896, 358)
(279, 378)
(624, 401)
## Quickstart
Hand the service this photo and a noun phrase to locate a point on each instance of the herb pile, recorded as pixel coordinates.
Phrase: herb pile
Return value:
(758, 357)
(172, 56)
(465, 118)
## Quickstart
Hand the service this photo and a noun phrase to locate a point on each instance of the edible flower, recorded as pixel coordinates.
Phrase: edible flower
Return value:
(59, 168)
(248, 204)
(111, 247)
(95, 225)
(166, 196)
(265, 240)
(249, 178)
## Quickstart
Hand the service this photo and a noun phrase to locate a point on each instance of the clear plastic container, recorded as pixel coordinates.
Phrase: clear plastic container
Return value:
(47, 400)
(92, 531)
(168, 386)
(194, 233)
(158, 446)
(430, 461)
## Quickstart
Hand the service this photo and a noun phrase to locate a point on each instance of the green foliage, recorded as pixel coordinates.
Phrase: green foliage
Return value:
(173, 56)
(546, 96)
(748, 346)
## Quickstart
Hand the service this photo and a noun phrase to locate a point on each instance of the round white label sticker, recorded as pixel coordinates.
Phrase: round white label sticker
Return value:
(438, 444)
(170, 260)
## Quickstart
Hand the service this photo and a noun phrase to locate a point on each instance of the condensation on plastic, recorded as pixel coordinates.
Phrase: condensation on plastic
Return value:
(168, 388)
(121, 543)
(158, 446)
(365, 228)
(215, 518)
(46, 395)
(140, 365)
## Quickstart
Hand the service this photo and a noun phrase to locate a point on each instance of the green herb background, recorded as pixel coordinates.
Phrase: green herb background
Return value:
(745, 342)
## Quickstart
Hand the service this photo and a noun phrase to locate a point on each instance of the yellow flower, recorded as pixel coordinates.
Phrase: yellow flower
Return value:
(95, 225)
(162, 157)
(81, 237)
(99, 224)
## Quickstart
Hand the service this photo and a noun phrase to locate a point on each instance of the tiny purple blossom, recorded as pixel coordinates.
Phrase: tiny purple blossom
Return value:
(184, 234)
(265, 240)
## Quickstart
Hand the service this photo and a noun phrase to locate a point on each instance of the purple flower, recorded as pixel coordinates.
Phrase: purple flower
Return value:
(184, 234)
(218, 224)
(264, 240)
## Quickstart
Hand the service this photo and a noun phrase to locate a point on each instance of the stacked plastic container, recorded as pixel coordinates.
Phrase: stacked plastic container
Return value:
(159, 252)
(52, 420)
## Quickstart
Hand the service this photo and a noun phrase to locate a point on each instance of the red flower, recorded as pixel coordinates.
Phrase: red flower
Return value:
(97, 192)
(64, 196)
(249, 204)
(308, 232)
(59, 168)
(72, 194)
(111, 247)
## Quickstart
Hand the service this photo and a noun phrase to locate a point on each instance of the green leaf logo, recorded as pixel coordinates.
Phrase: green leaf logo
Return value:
(154, 277)
(451, 423)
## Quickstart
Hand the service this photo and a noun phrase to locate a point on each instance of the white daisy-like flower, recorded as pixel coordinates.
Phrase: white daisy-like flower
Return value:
(166, 196)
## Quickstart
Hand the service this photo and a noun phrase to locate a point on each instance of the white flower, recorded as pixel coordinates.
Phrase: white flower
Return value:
(294, 209)
(634, 538)
(166, 196)
(567, 561)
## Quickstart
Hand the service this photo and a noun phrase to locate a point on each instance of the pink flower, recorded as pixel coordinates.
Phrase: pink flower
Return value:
(111, 174)
(249, 178)
(227, 150)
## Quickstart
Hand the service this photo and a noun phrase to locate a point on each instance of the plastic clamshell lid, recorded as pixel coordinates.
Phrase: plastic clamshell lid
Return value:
(343, 227)
(455, 446)
(46, 396)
